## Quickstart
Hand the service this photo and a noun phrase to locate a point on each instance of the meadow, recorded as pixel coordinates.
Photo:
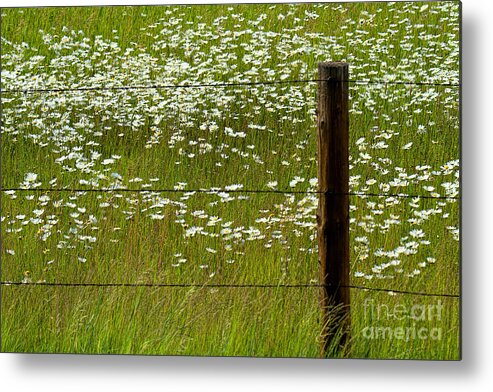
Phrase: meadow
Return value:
(150, 185)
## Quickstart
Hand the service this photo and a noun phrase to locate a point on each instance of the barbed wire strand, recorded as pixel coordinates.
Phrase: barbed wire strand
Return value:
(218, 285)
(225, 84)
(215, 191)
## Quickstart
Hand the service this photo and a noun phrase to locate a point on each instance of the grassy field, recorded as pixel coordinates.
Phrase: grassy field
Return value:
(69, 154)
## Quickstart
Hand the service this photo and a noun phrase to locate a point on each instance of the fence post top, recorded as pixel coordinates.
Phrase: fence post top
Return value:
(333, 64)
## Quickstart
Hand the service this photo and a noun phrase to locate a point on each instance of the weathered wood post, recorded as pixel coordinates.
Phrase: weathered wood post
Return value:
(333, 205)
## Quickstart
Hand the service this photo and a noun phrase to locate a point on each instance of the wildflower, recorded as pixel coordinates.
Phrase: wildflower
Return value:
(27, 277)
(233, 187)
(31, 177)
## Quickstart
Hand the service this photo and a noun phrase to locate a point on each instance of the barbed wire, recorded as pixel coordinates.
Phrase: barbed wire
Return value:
(219, 285)
(394, 291)
(402, 83)
(224, 84)
(216, 190)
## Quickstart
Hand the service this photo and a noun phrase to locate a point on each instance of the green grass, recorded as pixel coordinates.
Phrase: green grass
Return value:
(132, 248)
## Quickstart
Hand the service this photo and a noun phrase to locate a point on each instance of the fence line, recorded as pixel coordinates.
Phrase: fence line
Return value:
(218, 285)
(213, 191)
(225, 84)
(334, 265)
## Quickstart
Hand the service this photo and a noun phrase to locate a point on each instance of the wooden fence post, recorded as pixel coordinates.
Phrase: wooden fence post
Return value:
(333, 206)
